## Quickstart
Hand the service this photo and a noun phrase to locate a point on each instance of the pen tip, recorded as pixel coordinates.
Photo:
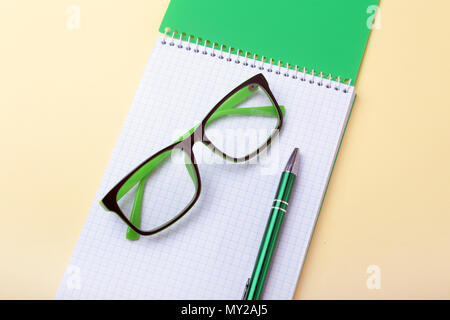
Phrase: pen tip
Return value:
(293, 163)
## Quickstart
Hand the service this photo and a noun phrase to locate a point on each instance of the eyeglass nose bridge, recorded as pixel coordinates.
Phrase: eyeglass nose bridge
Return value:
(187, 144)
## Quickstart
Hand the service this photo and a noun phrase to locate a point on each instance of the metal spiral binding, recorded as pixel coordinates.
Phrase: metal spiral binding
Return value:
(248, 60)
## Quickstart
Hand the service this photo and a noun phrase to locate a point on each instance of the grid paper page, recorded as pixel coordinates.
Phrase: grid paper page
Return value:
(209, 253)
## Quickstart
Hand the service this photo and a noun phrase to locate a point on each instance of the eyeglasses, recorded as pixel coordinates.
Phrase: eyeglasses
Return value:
(238, 128)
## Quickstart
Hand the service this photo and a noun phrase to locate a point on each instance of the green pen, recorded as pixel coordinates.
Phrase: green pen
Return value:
(255, 284)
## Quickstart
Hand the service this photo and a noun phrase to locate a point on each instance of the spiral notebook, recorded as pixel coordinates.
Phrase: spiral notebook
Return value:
(210, 253)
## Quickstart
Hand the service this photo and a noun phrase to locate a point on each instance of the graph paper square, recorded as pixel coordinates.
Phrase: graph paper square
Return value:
(210, 253)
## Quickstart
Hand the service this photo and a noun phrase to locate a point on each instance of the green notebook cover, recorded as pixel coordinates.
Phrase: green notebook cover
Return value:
(327, 36)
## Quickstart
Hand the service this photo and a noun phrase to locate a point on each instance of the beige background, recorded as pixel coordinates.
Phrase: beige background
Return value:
(64, 95)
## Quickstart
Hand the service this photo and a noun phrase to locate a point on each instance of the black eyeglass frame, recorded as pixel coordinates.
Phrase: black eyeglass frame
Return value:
(110, 199)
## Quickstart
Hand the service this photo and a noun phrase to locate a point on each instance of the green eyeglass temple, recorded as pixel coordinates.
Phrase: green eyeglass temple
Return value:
(142, 175)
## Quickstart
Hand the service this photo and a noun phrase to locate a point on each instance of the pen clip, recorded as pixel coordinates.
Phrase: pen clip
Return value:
(246, 289)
